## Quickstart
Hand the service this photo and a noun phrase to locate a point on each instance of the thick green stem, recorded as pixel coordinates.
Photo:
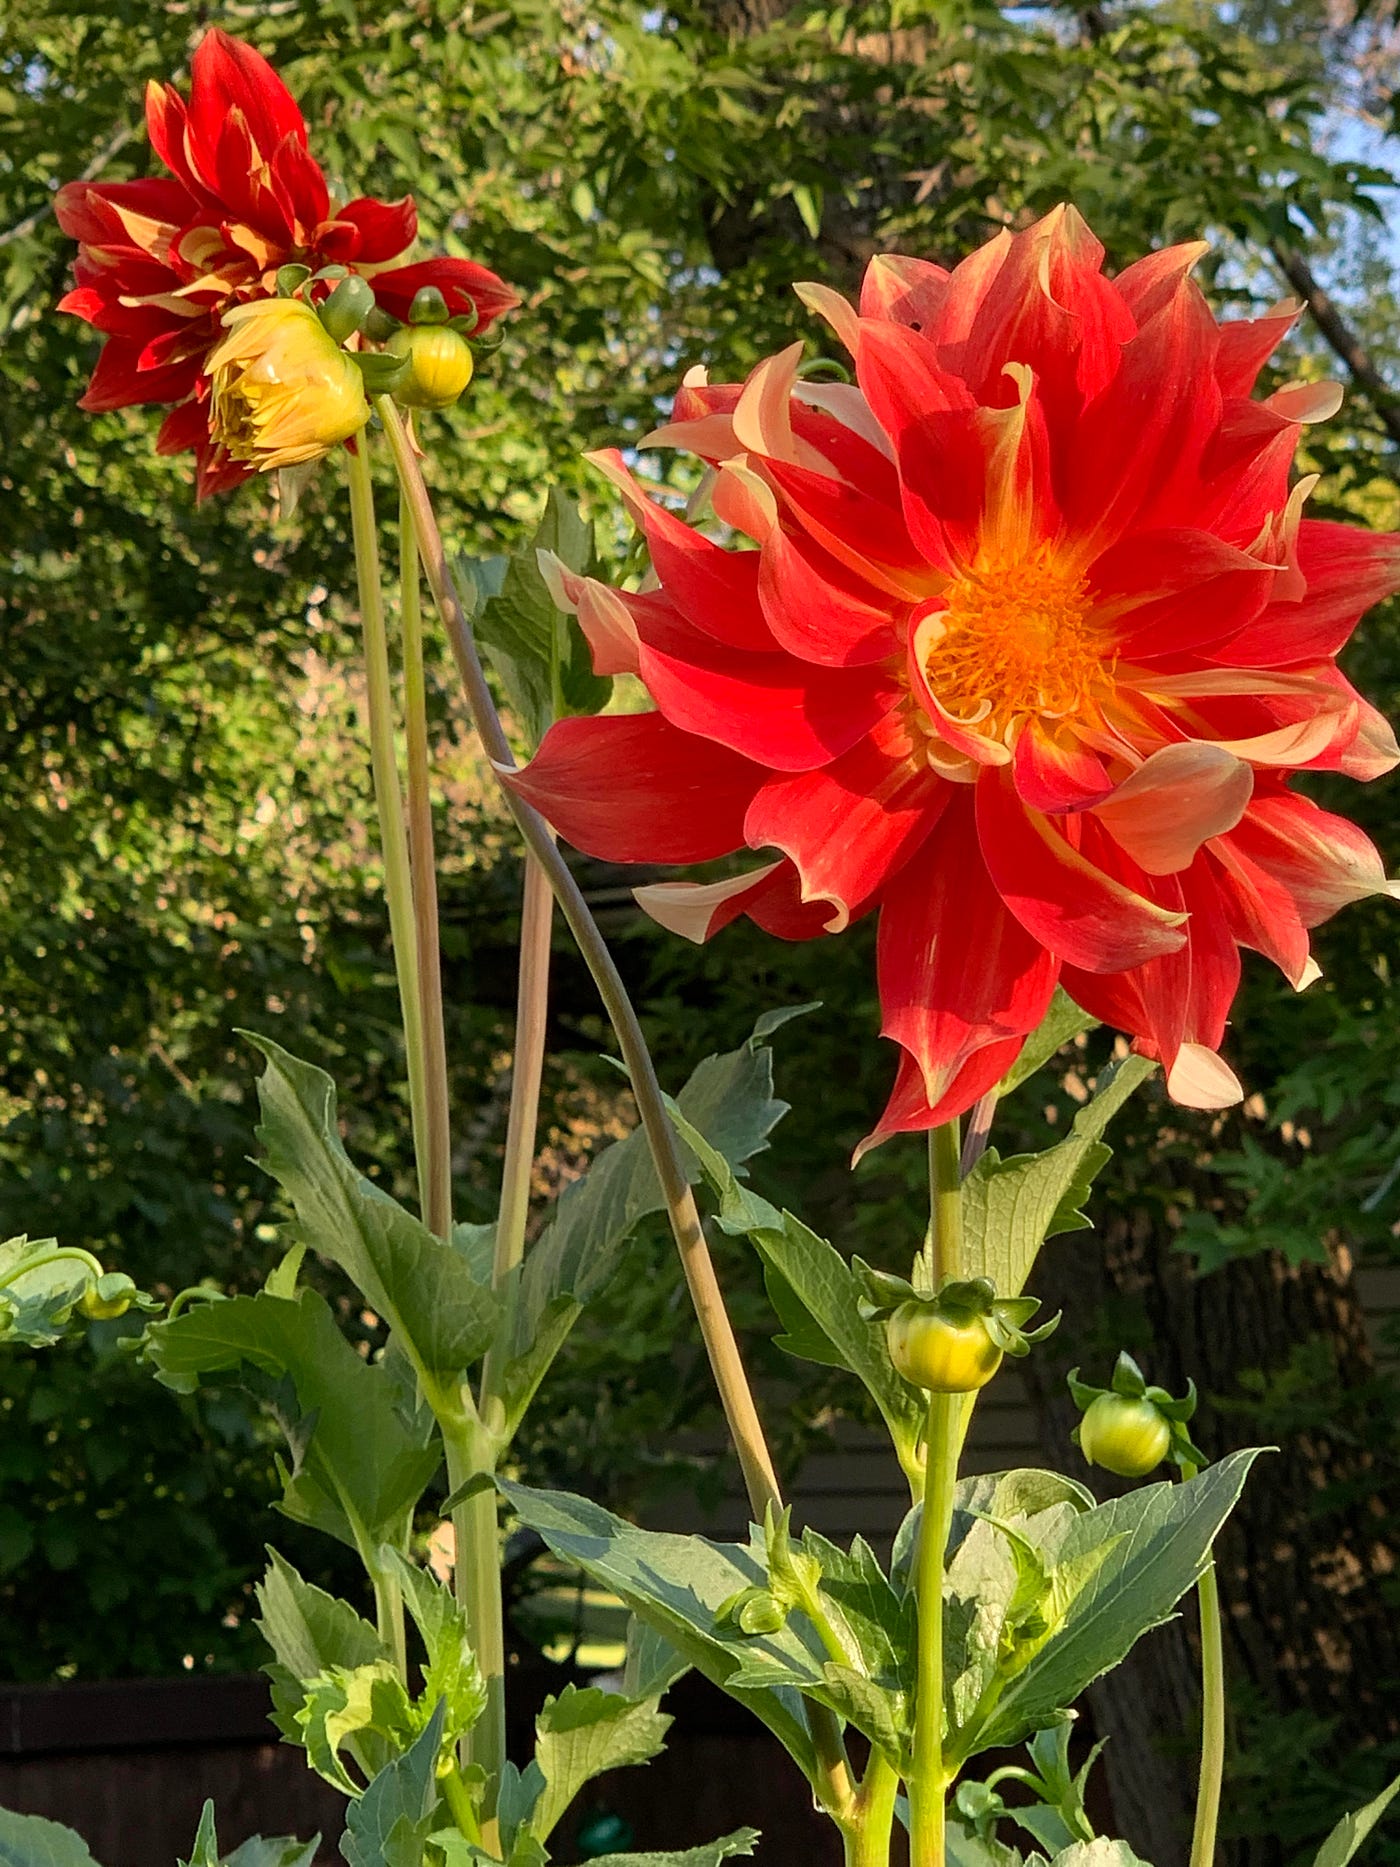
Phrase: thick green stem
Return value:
(436, 1167)
(726, 1363)
(476, 1578)
(947, 1425)
(388, 1616)
(522, 1123)
(928, 1780)
(867, 1836)
(398, 882)
(1212, 1715)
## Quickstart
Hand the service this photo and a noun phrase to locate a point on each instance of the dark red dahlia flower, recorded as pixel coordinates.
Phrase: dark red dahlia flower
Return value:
(161, 260)
(1033, 637)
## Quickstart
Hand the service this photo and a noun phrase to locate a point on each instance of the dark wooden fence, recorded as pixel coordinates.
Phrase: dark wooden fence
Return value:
(129, 1765)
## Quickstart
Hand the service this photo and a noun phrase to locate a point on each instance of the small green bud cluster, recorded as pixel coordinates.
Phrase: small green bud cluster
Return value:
(1129, 1428)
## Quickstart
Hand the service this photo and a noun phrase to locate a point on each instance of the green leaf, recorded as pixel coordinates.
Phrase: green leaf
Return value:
(32, 1841)
(653, 1664)
(424, 1289)
(452, 1673)
(274, 1851)
(364, 1709)
(678, 1584)
(730, 1097)
(1010, 1207)
(357, 1471)
(968, 1849)
(825, 1287)
(1126, 1564)
(36, 1305)
(582, 1733)
(1353, 1829)
(205, 1852)
(538, 652)
(388, 1825)
(1100, 1853)
(709, 1854)
(1061, 1022)
(309, 1632)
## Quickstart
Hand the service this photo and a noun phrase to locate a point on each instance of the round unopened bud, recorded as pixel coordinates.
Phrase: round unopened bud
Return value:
(439, 365)
(109, 1297)
(762, 1613)
(939, 1353)
(428, 307)
(345, 311)
(1126, 1436)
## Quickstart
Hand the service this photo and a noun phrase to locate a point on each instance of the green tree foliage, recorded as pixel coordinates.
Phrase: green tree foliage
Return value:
(187, 840)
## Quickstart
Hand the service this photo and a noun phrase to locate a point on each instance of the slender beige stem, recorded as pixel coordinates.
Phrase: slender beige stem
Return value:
(527, 1072)
(437, 1124)
(726, 1363)
(388, 800)
(715, 1327)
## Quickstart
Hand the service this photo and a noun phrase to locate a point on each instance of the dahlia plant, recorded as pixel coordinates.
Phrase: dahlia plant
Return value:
(1017, 635)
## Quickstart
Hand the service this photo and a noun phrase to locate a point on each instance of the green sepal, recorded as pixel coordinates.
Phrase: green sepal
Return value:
(428, 307)
(291, 278)
(882, 1292)
(381, 371)
(343, 314)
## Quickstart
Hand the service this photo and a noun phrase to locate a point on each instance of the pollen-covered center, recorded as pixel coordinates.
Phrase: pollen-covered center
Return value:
(1013, 639)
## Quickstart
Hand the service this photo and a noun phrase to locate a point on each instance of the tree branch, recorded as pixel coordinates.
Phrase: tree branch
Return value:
(23, 228)
(1343, 339)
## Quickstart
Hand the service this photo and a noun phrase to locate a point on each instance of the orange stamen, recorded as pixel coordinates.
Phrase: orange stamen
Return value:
(1016, 640)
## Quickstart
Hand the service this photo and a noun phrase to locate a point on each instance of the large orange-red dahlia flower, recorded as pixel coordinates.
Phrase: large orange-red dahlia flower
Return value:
(161, 260)
(1033, 637)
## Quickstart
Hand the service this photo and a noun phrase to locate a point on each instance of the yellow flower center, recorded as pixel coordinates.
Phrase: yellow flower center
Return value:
(1014, 639)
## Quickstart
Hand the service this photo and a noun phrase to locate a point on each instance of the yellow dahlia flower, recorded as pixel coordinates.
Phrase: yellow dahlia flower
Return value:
(283, 391)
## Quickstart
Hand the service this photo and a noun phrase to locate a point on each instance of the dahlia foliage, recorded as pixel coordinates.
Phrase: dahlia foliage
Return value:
(1033, 640)
(163, 260)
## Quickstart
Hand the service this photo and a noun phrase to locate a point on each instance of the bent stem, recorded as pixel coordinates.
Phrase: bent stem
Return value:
(726, 1363)
(388, 800)
(436, 1167)
(1212, 1714)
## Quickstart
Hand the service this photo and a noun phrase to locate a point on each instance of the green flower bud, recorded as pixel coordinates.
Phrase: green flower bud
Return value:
(762, 1613)
(1126, 1436)
(941, 1354)
(109, 1297)
(439, 365)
